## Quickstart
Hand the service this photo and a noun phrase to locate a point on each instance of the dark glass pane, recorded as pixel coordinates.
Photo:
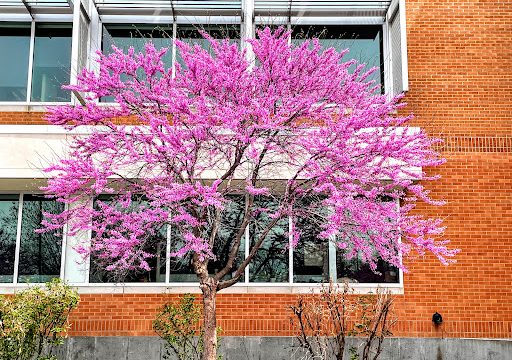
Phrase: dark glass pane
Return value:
(231, 221)
(124, 36)
(52, 62)
(311, 255)
(40, 254)
(271, 261)
(14, 56)
(8, 224)
(156, 244)
(180, 267)
(354, 270)
(191, 35)
(364, 43)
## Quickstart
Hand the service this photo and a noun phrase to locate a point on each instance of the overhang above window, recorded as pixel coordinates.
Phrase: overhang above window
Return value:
(277, 8)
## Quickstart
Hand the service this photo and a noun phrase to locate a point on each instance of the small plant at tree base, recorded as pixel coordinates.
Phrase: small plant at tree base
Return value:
(324, 321)
(178, 324)
(34, 321)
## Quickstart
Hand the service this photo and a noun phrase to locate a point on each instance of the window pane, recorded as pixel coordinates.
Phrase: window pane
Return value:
(155, 244)
(271, 261)
(364, 43)
(354, 270)
(15, 42)
(311, 255)
(40, 254)
(8, 225)
(181, 267)
(231, 221)
(52, 62)
(191, 35)
(124, 36)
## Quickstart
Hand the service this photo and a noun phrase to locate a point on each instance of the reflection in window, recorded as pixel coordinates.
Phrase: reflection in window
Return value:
(191, 35)
(40, 253)
(311, 255)
(52, 62)
(124, 36)
(231, 221)
(363, 41)
(356, 271)
(155, 244)
(181, 267)
(8, 225)
(15, 45)
(271, 261)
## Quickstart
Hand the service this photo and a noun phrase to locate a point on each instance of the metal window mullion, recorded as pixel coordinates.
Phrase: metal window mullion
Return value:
(18, 239)
(386, 49)
(173, 50)
(247, 249)
(31, 59)
(290, 250)
(247, 29)
(167, 256)
(63, 248)
(333, 271)
(403, 44)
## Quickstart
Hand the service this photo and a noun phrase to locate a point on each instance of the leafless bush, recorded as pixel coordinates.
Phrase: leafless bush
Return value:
(324, 321)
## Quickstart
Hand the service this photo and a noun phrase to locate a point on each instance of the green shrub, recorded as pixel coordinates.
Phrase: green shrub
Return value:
(178, 324)
(34, 321)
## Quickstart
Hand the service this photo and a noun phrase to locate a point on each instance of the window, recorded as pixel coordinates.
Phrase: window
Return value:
(52, 62)
(124, 36)
(363, 41)
(14, 62)
(313, 260)
(155, 244)
(39, 254)
(271, 261)
(8, 225)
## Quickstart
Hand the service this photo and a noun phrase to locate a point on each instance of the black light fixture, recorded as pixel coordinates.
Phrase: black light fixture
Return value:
(437, 319)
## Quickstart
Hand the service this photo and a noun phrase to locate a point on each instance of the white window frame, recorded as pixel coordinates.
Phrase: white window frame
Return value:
(14, 105)
(288, 286)
(17, 250)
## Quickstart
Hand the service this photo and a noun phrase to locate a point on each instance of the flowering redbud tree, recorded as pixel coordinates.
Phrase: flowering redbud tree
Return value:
(298, 127)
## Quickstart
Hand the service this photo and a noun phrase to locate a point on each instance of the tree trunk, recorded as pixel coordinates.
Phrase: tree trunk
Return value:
(209, 289)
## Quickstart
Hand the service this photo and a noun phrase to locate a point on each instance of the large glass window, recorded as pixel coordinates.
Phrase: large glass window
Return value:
(14, 56)
(52, 62)
(363, 41)
(231, 220)
(8, 225)
(40, 253)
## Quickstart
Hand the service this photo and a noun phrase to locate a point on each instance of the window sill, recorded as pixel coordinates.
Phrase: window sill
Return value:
(177, 288)
(28, 107)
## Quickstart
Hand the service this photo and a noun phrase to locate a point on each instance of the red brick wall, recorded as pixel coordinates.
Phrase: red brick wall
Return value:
(460, 71)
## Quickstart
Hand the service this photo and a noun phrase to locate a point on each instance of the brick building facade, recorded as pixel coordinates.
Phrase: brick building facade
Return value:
(460, 81)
